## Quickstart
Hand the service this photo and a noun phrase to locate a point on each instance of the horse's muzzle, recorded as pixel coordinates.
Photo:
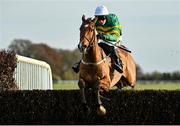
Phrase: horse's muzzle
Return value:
(82, 48)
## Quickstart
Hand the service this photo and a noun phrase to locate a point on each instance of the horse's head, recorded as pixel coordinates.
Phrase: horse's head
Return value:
(87, 34)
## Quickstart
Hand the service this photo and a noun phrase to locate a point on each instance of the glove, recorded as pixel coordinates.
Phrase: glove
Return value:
(100, 36)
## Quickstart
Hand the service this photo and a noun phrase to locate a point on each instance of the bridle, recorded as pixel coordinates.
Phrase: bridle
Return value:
(92, 38)
(81, 48)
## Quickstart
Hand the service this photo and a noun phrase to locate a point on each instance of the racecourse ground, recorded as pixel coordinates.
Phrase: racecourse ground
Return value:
(139, 86)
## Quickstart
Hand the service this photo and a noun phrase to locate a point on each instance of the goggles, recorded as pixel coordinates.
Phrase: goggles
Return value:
(101, 18)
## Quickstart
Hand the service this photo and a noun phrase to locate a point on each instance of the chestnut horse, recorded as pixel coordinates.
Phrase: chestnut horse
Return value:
(96, 69)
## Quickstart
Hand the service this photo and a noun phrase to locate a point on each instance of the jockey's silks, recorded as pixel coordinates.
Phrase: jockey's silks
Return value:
(111, 30)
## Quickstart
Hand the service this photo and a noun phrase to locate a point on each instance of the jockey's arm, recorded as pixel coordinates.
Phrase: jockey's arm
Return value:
(113, 35)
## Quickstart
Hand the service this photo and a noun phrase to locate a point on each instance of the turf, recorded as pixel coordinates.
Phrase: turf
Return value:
(139, 86)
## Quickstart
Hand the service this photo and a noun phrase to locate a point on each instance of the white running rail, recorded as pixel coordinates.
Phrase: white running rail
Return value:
(33, 74)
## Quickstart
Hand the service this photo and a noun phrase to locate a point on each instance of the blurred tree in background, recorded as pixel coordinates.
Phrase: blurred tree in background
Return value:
(20, 46)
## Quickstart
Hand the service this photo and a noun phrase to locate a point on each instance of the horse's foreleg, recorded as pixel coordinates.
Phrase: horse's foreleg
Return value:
(97, 95)
(100, 108)
(81, 85)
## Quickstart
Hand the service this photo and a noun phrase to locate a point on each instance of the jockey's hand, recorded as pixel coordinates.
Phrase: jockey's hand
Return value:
(100, 36)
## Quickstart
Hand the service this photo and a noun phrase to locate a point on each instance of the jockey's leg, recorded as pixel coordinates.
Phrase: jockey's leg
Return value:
(114, 56)
(117, 62)
(105, 48)
(76, 66)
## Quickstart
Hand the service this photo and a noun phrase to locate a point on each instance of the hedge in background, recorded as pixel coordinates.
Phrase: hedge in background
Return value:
(63, 107)
(8, 63)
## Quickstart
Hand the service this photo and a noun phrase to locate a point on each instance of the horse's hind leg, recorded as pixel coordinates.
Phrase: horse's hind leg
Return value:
(81, 85)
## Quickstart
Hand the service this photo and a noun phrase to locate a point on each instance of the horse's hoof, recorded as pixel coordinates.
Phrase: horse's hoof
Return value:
(101, 110)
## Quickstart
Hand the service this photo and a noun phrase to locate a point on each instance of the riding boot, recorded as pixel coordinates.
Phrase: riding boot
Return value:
(117, 62)
(76, 66)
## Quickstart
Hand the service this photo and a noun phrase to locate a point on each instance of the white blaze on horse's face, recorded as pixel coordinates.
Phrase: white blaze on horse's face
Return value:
(87, 25)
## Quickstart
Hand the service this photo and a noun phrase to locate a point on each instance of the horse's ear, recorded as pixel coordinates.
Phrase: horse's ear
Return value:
(83, 18)
(94, 20)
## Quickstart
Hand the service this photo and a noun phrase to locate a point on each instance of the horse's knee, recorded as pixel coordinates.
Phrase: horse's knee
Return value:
(81, 83)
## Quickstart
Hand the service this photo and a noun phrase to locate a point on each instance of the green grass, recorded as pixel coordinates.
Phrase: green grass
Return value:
(62, 86)
(154, 86)
(160, 86)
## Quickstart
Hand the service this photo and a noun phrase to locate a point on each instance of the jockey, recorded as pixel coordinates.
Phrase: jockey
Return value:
(109, 33)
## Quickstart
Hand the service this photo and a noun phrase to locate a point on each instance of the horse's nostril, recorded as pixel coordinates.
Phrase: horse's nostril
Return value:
(84, 46)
